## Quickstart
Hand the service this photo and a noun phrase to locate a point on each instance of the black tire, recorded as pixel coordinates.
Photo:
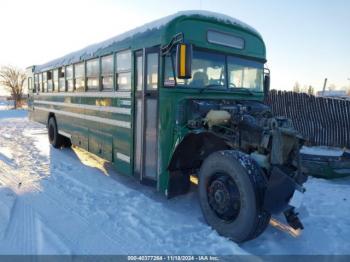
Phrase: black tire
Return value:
(55, 139)
(245, 184)
(67, 142)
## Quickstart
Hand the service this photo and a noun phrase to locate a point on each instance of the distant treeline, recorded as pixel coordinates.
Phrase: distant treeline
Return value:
(322, 121)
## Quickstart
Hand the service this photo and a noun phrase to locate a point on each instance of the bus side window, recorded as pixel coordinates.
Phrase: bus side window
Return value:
(92, 74)
(69, 77)
(107, 73)
(123, 74)
(49, 81)
(36, 83)
(40, 82)
(55, 80)
(44, 81)
(79, 77)
(30, 85)
(61, 79)
(152, 71)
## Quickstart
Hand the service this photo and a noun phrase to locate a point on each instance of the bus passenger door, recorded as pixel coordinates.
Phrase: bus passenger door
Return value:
(146, 115)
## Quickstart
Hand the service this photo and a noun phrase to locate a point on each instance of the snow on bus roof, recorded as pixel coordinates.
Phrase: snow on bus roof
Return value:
(92, 49)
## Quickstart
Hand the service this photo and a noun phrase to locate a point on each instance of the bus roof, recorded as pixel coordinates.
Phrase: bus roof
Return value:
(92, 50)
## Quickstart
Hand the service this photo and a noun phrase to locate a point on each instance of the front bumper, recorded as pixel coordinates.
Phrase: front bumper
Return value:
(280, 190)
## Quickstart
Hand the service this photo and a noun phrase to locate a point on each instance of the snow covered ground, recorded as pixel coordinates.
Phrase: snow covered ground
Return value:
(71, 202)
(5, 104)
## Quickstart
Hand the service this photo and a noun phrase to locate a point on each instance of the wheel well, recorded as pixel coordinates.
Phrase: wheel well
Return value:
(188, 157)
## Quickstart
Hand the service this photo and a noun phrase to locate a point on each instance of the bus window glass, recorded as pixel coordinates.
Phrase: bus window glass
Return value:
(62, 81)
(169, 79)
(107, 73)
(69, 72)
(36, 83)
(139, 75)
(107, 65)
(152, 71)
(49, 81)
(208, 69)
(92, 67)
(225, 39)
(245, 74)
(123, 61)
(124, 82)
(44, 75)
(30, 85)
(69, 77)
(79, 70)
(92, 74)
(55, 80)
(93, 84)
(40, 83)
(107, 83)
(123, 73)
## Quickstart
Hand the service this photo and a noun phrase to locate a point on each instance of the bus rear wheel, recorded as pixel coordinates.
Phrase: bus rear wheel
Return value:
(230, 200)
(55, 139)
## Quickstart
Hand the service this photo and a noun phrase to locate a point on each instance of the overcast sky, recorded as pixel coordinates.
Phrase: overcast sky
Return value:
(306, 40)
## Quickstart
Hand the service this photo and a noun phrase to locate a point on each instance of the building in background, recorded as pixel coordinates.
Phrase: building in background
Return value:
(334, 93)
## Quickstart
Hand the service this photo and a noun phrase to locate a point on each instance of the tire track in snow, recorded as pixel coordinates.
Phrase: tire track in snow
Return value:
(74, 225)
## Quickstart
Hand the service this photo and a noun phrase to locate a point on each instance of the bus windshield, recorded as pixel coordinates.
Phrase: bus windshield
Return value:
(209, 70)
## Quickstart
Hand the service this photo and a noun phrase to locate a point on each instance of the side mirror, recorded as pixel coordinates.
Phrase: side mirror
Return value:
(184, 61)
(266, 82)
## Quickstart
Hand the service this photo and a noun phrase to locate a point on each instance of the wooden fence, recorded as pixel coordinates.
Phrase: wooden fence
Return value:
(322, 121)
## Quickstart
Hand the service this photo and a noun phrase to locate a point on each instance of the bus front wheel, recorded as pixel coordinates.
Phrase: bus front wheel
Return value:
(230, 198)
(55, 139)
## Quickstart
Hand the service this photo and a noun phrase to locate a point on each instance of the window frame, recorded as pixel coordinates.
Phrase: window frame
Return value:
(117, 72)
(112, 73)
(83, 88)
(36, 83)
(227, 55)
(96, 75)
(68, 79)
(217, 42)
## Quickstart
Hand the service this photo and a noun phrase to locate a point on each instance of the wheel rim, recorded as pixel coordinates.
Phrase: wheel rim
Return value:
(223, 197)
(51, 133)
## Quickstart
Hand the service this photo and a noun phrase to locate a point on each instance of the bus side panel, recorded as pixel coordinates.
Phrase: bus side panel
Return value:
(40, 116)
(101, 144)
(111, 142)
(122, 150)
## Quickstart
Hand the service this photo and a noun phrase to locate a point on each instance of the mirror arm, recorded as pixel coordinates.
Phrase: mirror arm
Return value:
(166, 49)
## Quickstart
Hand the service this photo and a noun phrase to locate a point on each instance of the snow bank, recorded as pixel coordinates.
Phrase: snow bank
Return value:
(19, 113)
(321, 151)
(6, 204)
(5, 104)
(157, 24)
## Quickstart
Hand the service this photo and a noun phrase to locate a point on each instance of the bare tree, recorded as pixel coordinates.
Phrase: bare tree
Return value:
(12, 79)
(296, 87)
(311, 90)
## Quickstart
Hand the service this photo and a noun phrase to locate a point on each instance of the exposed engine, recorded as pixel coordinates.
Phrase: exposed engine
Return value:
(250, 127)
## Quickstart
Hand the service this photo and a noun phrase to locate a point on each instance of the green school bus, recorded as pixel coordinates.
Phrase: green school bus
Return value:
(176, 101)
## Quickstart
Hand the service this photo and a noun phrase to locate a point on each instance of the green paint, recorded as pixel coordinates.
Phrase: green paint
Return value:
(106, 140)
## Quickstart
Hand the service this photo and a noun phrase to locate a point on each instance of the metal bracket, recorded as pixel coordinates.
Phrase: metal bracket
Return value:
(178, 38)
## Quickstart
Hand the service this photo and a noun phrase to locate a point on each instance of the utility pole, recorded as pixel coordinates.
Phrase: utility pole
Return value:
(324, 86)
